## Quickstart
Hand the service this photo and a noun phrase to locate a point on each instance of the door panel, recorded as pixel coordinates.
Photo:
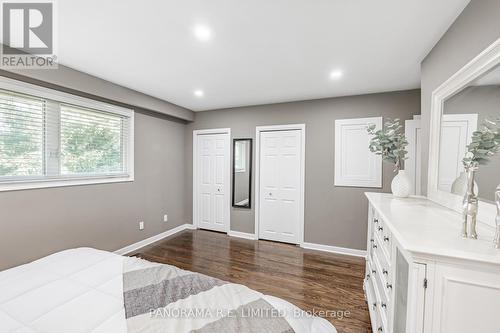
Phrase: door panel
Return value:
(456, 134)
(280, 185)
(205, 216)
(466, 300)
(213, 177)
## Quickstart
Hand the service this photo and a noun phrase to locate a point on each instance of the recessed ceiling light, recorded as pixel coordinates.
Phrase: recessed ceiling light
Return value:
(202, 33)
(199, 93)
(336, 74)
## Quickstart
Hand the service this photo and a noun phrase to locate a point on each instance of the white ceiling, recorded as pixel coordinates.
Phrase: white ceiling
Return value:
(261, 51)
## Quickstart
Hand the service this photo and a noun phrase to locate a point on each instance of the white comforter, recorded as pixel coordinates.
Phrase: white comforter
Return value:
(81, 290)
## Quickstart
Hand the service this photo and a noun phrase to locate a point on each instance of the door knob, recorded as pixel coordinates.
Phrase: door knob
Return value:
(218, 190)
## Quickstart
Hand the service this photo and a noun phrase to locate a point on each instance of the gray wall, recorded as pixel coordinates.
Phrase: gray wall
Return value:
(475, 29)
(333, 215)
(35, 223)
(67, 79)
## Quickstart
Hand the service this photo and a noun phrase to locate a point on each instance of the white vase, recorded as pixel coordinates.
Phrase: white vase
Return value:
(401, 185)
(459, 185)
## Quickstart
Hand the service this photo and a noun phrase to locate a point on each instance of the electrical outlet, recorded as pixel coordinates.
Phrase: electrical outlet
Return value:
(141, 225)
(165, 218)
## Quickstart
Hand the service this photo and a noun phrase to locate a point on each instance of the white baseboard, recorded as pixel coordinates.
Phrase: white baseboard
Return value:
(241, 235)
(155, 238)
(334, 249)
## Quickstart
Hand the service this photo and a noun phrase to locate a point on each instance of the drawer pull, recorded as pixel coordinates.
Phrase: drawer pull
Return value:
(374, 271)
(374, 246)
(372, 240)
(380, 228)
(374, 305)
(380, 329)
(367, 276)
(375, 220)
(385, 271)
(388, 285)
(384, 305)
(386, 239)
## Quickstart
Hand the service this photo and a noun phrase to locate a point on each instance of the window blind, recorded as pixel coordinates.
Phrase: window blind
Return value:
(22, 119)
(92, 142)
(47, 136)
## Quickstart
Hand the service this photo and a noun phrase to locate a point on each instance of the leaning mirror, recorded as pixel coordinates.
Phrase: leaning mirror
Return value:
(242, 172)
(464, 113)
(464, 159)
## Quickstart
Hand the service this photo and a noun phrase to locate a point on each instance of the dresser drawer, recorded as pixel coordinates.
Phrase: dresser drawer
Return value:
(381, 326)
(385, 236)
(381, 290)
(382, 260)
(377, 317)
(387, 243)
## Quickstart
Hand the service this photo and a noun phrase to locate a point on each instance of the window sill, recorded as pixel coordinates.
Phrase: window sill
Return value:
(27, 185)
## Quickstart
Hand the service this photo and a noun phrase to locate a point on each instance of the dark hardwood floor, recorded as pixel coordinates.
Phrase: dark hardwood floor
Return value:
(311, 280)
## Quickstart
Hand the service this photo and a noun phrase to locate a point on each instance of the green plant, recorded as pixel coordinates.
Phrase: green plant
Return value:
(390, 142)
(484, 144)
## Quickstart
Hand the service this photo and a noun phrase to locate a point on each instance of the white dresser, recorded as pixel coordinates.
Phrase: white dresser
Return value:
(421, 276)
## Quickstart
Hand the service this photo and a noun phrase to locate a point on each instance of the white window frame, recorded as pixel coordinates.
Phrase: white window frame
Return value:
(62, 97)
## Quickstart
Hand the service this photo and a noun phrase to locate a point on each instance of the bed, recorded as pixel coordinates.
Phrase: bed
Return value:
(88, 290)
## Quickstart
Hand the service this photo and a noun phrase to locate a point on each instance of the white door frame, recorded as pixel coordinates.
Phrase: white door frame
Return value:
(258, 130)
(413, 169)
(227, 185)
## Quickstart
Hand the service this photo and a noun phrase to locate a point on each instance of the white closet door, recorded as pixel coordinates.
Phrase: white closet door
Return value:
(280, 185)
(213, 181)
(456, 134)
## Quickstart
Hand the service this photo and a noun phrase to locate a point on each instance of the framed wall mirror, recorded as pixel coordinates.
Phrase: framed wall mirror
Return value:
(460, 106)
(242, 173)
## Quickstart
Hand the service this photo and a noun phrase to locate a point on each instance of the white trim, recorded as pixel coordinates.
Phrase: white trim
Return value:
(59, 182)
(227, 184)
(132, 247)
(258, 130)
(478, 66)
(335, 249)
(241, 235)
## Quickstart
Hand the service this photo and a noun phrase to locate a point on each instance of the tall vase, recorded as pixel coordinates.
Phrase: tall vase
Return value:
(401, 185)
(470, 203)
(497, 220)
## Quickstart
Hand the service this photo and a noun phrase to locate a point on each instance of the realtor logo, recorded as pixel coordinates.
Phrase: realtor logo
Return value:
(28, 35)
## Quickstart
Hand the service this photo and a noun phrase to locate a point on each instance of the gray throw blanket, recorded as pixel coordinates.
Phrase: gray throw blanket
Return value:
(164, 298)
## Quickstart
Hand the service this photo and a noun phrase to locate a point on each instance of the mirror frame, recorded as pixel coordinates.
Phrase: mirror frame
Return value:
(478, 66)
(250, 161)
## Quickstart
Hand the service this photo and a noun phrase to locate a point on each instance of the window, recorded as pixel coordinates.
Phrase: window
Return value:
(50, 138)
(92, 142)
(21, 135)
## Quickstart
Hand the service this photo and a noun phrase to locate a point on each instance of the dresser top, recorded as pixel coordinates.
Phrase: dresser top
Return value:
(424, 227)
